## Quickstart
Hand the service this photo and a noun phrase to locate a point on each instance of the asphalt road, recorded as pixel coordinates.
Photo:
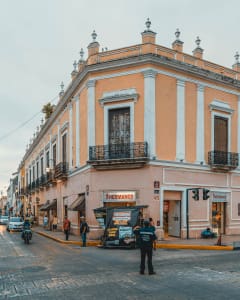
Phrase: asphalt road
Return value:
(49, 270)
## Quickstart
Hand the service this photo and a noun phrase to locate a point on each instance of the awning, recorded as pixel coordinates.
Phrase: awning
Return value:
(48, 205)
(78, 204)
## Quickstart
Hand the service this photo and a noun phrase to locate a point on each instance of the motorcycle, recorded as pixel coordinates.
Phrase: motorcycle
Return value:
(27, 235)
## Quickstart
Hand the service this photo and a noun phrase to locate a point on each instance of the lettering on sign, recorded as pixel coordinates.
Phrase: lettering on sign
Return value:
(119, 196)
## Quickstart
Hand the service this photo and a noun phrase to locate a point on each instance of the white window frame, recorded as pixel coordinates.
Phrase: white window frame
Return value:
(222, 115)
(108, 107)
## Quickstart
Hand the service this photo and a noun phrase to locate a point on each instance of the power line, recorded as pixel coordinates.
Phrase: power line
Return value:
(24, 123)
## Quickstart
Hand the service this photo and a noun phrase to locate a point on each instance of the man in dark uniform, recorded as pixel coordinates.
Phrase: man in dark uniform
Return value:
(146, 238)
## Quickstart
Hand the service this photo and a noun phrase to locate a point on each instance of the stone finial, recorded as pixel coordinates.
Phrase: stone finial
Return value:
(198, 41)
(94, 36)
(148, 36)
(148, 24)
(236, 57)
(62, 89)
(41, 125)
(81, 54)
(177, 34)
(75, 65)
(198, 51)
(236, 65)
(177, 45)
(37, 129)
(74, 72)
(93, 47)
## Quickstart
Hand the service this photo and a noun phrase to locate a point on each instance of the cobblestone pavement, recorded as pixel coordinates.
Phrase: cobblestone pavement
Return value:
(49, 270)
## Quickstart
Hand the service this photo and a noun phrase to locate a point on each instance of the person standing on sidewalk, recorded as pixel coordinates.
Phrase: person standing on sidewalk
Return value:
(146, 238)
(54, 223)
(84, 229)
(66, 227)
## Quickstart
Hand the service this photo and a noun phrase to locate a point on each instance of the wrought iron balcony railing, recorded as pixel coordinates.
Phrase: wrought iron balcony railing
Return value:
(223, 160)
(61, 170)
(42, 181)
(118, 151)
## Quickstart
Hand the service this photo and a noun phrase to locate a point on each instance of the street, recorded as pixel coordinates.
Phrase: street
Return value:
(49, 270)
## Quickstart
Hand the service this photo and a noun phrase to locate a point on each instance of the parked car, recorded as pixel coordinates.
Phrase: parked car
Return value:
(15, 224)
(4, 220)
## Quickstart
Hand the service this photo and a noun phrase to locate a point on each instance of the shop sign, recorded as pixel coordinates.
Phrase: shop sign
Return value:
(121, 217)
(119, 196)
(219, 197)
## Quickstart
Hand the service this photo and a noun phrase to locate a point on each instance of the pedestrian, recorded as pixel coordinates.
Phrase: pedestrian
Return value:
(66, 227)
(54, 223)
(152, 226)
(45, 221)
(146, 237)
(84, 229)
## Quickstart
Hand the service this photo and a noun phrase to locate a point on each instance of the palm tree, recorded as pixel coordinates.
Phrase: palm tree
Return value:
(48, 109)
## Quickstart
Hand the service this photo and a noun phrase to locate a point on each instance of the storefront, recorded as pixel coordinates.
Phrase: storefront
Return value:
(119, 198)
(219, 201)
(172, 213)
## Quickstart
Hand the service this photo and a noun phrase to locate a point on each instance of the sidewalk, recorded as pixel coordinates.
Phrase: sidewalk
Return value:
(228, 243)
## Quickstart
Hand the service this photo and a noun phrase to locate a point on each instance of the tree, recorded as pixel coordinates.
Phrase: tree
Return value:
(48, 109)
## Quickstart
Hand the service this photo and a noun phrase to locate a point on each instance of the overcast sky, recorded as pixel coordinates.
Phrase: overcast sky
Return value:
(40, 39)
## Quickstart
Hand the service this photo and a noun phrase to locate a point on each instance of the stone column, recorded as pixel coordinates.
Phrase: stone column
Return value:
(91, 113)
(200, 125)
(149, 111)
(180, 142)
(70, 136)
(76, 98)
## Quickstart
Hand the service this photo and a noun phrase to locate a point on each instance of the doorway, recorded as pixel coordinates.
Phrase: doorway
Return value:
(172, 218)
(218, 217)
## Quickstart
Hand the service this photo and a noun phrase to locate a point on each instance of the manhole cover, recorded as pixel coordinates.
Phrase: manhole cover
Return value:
(33, 269)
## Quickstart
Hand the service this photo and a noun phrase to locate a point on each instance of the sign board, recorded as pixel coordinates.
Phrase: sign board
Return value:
(219, 197)
(119, 196)
(121, 217)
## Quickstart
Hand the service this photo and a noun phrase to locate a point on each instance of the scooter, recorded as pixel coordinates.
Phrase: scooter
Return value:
(27, 235)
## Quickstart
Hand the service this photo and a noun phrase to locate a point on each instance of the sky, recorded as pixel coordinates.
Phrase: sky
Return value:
(41, 39)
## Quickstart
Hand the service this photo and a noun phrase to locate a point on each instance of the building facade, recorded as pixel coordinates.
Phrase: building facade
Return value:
(141, 125)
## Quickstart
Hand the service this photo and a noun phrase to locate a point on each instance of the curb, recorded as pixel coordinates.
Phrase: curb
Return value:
(79, 243)
(159, 246)
(195, 247)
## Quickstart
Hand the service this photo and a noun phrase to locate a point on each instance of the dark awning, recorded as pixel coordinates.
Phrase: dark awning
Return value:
(78, 204)
(48, 205)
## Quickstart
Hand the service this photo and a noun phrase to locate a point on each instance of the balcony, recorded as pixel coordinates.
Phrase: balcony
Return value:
(61, 171)
(119, 156)
(42, 181)
(222, 161)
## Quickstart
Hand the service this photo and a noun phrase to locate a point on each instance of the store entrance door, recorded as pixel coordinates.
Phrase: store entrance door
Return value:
(218, 217)
(174, 218)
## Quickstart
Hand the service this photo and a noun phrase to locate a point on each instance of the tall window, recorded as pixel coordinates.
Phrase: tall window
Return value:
(54, 154)
(221, 139)
(37, 169)
(41, 162)
(119, 133)
(47, 159)
(119, 126)
(64, 147)
(33, 173)
(220, 134)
